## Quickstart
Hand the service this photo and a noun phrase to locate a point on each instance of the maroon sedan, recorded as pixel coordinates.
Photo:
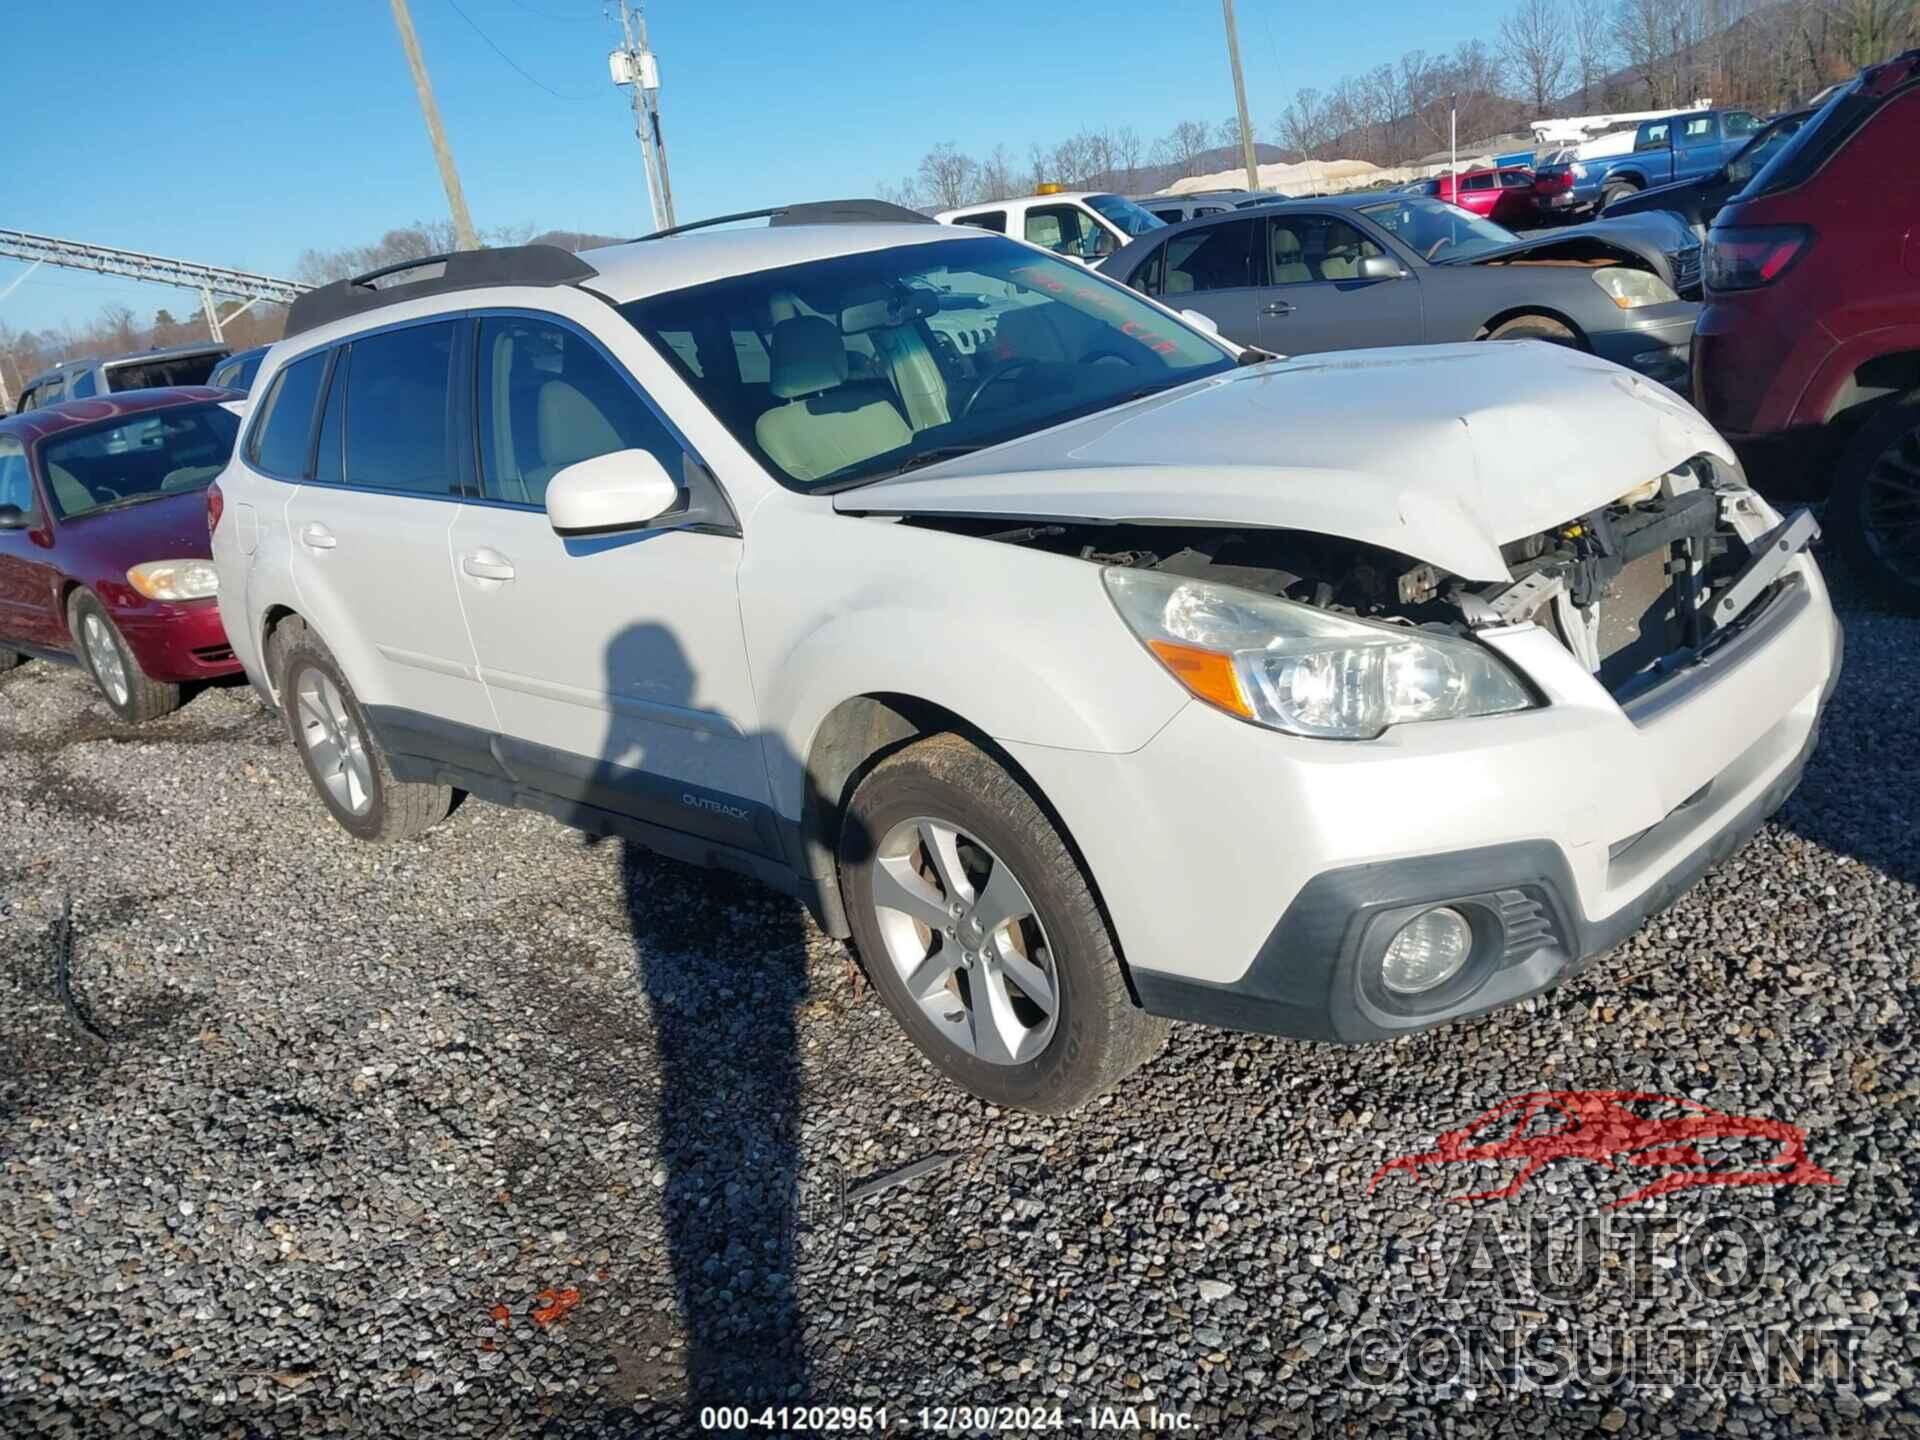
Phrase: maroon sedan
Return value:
(103, 541)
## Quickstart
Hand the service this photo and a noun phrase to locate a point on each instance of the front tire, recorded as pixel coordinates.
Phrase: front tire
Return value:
(1873, 516)
(1534, 327)
(129, 691)
(981, 933)
(344, 761)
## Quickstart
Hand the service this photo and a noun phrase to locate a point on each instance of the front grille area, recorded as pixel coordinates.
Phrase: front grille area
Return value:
(1686, 272)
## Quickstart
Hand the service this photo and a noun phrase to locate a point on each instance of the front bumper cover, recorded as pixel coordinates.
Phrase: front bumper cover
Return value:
(1310, 979)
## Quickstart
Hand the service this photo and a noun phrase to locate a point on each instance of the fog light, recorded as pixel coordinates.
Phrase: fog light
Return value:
(1428, 951)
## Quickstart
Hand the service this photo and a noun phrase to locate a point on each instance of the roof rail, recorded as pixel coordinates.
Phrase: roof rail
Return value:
(812, 212)
(462, 270)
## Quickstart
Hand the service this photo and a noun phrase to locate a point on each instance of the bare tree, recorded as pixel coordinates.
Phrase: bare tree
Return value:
(947, 176)
(1127, 154)
(1303, 124)
(1639, 28)
(996, 180)
(1593, 48)
(1182, 146)
(1533, 42)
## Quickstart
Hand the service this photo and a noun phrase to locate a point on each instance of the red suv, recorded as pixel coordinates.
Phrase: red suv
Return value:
(103, 541)
(1504, 196)
(1807, 353)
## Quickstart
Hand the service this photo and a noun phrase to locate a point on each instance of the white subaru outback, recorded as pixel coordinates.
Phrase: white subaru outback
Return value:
(1086, 671)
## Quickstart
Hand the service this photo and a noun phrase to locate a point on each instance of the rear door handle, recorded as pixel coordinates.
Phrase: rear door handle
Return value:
(1277, 307)
(317, 537)
(487, 565)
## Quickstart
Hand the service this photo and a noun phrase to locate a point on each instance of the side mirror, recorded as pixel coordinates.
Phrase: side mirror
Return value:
(1380, 267)
(624, 490)
(1096, 246)
(1201, 322)
(12, 517)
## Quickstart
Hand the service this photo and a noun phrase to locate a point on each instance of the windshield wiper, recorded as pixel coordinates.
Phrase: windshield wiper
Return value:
(912, 462)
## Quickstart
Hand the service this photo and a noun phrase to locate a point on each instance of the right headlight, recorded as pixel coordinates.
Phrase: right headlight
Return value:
(1303, 670)
(1630, 289)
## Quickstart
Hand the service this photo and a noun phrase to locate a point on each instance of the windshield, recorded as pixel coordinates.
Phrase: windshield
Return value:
(160, 452)
(841, 371)
(1815, 142)
(1124, 213)
(1436, 230)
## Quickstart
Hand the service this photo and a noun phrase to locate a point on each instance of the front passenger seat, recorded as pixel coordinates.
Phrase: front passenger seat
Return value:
(825, 424)
(1288, 267)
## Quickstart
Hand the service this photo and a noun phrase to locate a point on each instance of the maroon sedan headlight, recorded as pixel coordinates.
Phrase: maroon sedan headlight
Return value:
(1745, 257)
(175, 579)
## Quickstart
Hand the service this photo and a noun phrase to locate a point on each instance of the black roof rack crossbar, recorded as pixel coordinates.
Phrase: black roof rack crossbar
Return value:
(812, 212)
(535, 265)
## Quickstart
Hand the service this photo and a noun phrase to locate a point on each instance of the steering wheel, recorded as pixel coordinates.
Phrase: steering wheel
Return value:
(1003, 371)
(1094, 357)
(1439, 245)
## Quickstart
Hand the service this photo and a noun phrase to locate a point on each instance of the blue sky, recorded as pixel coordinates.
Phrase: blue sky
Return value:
(242, 132)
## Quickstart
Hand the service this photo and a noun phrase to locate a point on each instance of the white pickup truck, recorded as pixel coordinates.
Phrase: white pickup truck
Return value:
(1083, 225)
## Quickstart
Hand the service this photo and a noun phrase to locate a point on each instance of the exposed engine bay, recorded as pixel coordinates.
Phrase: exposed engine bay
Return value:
(1635, 590)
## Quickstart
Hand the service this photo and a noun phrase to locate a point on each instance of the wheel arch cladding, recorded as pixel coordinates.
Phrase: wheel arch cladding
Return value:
(860, 732)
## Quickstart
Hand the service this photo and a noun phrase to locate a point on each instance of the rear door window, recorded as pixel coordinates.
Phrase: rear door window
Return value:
(1697, 130)
(16, 487)
(281, 445)
(1653, 137)
(994, 220)
(399, 398)
(1214, 257)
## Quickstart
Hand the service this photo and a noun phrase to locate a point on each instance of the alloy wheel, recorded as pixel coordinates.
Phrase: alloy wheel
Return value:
(1890, 508)
(104, 655)
(965, 940)
(333, 742)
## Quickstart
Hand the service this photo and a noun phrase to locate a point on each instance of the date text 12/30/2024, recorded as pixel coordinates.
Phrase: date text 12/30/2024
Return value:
(943, 1419)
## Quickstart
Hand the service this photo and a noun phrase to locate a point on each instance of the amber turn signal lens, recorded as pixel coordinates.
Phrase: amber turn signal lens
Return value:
(1207, 673)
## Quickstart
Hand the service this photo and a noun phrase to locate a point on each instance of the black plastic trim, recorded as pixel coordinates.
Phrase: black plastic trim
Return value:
(531, 265)
(1305, 983)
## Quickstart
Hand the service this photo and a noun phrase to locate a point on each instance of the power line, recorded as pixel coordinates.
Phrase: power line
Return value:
(511, 62)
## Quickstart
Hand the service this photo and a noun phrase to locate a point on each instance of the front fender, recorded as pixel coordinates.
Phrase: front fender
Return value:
(1021, 644)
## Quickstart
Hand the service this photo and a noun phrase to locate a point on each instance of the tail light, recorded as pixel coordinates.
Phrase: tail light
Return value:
(216, 507)
(1548, 183)
(1745, 257)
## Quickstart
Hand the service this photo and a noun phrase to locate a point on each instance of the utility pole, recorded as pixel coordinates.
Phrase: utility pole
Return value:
(636, 67)
(1240, 97)
(456, 199)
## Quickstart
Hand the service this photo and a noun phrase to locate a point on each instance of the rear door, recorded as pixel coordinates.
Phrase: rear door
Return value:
(1317, 299)
(1218, 270)
(1697, 147)
(367, 532)
(616, 663)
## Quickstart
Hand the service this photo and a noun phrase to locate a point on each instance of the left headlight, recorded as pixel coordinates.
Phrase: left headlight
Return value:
(175, 579)
(1630, 289)
(1303, 670)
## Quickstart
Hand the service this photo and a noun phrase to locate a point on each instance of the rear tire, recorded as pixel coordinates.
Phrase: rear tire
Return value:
(1873, 517)
(129, 691)
(349, 770)
(948, 836)
(1616, 190)
(1534, 327)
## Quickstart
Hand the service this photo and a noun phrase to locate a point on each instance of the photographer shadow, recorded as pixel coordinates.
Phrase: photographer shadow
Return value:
(723, 961)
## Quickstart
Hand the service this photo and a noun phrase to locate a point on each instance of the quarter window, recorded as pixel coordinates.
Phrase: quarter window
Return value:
(283, 442)
(549, 399)
(994, 220)
(83, 385)
(398, 400)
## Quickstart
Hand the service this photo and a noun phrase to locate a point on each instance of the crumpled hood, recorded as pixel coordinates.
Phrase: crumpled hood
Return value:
(1440, 452)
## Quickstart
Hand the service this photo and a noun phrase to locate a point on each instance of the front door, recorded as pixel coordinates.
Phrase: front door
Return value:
(29, 581)
(1318, 299)
(615, 663)
(367, 533)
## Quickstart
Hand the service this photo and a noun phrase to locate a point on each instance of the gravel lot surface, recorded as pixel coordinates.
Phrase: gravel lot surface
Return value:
(503, 1132)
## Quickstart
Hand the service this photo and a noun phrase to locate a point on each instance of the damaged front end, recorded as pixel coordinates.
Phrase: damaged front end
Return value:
(1642, 588)
(1637, 590)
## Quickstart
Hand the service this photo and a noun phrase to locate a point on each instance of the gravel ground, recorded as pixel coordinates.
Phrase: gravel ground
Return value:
(504, 1132)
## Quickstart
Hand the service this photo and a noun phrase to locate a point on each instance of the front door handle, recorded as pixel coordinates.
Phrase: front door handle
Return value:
(1277, 307)
(487, 565)
(317, 537)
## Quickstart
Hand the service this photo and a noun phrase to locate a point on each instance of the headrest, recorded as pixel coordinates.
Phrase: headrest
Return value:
(1285, 242)
(808, 356)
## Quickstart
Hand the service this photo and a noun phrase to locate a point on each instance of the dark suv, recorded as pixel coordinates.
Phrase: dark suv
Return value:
(1807, 354)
